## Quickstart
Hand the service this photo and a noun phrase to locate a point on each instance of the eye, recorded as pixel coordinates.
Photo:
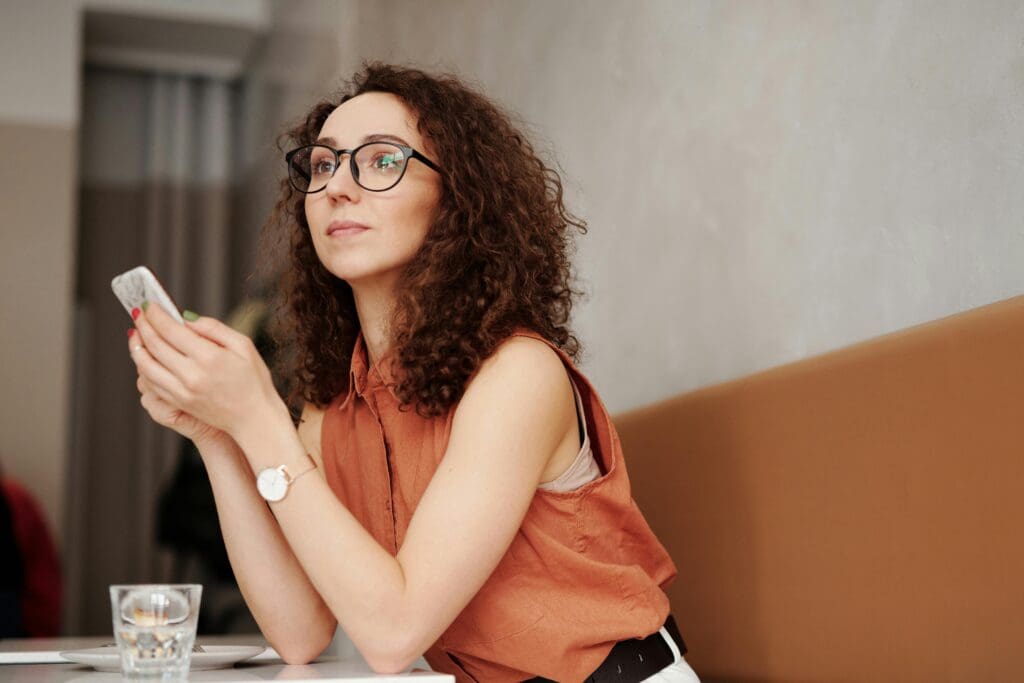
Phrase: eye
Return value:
(387, 162)
(322, 166)
(321, 161)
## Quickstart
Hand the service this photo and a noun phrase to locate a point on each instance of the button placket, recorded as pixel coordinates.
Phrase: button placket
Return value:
(371, 401)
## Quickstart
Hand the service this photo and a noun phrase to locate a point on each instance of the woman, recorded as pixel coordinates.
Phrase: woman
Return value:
(455, 488)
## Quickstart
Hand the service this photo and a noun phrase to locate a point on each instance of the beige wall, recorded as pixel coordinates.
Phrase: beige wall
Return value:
(38, 133)
(804, 174)
(36, 287)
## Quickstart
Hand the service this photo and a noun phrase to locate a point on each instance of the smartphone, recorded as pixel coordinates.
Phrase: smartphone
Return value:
(139, 284)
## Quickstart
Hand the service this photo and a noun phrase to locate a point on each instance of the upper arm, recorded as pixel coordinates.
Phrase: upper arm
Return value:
(509, 422)
(309, 432)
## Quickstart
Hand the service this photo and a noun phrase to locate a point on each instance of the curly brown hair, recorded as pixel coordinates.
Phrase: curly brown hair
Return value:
(496, 258)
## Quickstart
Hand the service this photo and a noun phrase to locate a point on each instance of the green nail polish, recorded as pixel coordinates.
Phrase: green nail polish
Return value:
(190, 316)
(145, 305)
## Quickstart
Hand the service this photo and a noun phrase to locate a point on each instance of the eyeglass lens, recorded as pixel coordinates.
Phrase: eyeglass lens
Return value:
(378, 166)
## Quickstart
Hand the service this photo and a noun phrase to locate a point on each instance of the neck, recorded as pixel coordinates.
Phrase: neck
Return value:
(375, 305)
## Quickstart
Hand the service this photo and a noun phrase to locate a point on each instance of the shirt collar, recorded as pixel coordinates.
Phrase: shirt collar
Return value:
(363, 377)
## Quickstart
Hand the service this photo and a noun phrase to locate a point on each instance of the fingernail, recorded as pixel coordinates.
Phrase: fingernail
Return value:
(131, 331)
(190, 316)
(145, 305)
(136, 312)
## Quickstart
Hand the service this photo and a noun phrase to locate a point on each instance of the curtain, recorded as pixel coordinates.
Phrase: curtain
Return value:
(155, 151)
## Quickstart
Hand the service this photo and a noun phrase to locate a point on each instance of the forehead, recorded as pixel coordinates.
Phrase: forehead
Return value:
(369, 113)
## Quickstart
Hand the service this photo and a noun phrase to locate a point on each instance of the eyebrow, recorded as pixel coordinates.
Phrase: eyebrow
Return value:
(372, 137)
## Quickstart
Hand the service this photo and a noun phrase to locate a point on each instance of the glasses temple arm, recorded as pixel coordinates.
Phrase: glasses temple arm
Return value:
(425, 160)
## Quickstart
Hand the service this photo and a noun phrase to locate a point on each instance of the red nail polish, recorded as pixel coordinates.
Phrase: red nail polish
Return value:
(136, 313)
(131, 331)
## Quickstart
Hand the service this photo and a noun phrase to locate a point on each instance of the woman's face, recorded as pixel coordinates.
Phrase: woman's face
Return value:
(396, 220)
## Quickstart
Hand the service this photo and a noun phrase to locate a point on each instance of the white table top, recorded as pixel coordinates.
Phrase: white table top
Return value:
(323, 669)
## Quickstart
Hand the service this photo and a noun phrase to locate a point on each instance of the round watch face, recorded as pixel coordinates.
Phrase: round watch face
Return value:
(271, 484)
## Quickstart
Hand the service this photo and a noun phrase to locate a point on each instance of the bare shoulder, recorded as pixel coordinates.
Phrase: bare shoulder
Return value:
(524, 361)
(524, 385)
(309, 430)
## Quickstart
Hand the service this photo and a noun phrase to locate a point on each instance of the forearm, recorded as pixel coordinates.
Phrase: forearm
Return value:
(291, 614)
(361, 582)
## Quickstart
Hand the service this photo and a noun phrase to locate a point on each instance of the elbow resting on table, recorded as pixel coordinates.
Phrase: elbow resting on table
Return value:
(301, 652)
(389, 663)
(388, 655)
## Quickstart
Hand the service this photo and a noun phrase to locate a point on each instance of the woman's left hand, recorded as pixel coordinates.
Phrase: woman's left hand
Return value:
(207, 369)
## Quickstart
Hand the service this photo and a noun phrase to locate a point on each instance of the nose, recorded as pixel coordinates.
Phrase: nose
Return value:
(342, 184)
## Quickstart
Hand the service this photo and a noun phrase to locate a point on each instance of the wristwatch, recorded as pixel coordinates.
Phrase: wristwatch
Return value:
(273, 482)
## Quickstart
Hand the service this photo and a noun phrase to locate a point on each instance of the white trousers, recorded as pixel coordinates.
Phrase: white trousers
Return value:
(679, 672)
(676, 672)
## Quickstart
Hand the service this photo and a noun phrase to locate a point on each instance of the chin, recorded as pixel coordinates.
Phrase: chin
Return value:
(355, 273)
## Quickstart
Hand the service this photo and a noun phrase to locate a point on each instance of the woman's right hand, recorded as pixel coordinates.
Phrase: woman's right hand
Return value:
(166, 415)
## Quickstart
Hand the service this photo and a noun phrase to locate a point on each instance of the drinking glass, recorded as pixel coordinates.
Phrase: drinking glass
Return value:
(155, 628)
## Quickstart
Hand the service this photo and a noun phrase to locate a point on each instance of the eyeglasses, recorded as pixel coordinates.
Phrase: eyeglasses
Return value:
(375, 166)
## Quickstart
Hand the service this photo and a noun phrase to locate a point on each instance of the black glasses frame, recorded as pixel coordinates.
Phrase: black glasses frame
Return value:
(409, 153)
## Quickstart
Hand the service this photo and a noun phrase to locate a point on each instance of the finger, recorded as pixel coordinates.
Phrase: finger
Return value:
(157, 408)
(159, 377)
(157, 346)
(146, 387)
(178, 336)
(218, 332)
(153, 403)
(133, 339)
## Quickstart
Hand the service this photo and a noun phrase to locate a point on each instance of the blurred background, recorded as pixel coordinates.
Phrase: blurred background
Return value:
(763, 182)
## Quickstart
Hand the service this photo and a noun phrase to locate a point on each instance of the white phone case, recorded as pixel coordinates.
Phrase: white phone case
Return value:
(139, 284)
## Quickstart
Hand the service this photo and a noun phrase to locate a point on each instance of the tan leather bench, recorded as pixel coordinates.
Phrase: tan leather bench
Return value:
(856, 516)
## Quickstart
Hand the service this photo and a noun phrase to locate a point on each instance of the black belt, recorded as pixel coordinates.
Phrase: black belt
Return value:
(635, 659)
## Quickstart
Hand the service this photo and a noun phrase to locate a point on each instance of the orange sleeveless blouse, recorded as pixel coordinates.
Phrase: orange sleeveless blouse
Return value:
(583, 572)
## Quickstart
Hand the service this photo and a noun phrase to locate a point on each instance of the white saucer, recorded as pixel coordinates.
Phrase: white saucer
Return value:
(107, 658)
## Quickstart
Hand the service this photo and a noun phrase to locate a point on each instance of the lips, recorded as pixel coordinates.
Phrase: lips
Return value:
(345, 228)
